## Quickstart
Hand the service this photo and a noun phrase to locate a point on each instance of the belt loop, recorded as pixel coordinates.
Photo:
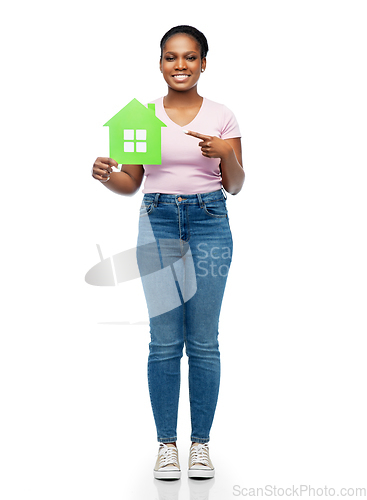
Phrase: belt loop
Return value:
(155, 202)
(224, 193)
(201, 203)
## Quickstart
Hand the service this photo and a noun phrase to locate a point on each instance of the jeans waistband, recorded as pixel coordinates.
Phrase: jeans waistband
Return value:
(191, 199)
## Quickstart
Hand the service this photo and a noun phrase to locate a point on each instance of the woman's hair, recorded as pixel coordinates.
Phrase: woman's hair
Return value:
(190, 31)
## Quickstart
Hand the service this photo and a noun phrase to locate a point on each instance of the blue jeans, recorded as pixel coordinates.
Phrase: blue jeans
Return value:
(184, 253)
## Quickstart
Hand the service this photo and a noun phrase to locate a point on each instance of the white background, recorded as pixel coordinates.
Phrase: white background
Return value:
(76, 420)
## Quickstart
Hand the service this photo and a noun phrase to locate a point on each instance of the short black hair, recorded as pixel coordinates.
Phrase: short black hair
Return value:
(190, 31)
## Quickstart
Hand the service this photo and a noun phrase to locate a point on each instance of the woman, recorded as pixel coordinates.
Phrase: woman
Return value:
(184, 214)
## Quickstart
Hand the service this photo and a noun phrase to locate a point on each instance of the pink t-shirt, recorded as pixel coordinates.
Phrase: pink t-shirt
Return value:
(184, 169)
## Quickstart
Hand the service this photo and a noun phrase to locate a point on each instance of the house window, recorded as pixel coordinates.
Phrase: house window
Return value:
(135, 141)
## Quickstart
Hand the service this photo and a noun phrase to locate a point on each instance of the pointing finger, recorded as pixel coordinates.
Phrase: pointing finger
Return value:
(197, 135)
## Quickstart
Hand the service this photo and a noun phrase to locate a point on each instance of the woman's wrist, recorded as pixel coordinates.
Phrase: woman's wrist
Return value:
(105, 180)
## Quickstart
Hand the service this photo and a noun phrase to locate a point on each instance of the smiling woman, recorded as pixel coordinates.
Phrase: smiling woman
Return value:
(182, 62)
(184, 211)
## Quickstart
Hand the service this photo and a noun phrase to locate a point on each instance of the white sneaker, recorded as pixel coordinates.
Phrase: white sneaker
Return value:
(167, 465)
(200, 465)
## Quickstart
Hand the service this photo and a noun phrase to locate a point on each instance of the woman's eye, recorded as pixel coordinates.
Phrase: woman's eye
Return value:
(169, 58)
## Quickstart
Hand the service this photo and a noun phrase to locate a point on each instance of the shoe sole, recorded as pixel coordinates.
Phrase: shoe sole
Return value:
(167, 475)
(203, 474)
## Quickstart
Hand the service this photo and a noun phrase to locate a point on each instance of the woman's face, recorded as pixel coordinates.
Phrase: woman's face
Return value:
(181, 62)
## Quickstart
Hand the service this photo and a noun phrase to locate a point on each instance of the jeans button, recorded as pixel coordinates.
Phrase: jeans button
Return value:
(179, 198)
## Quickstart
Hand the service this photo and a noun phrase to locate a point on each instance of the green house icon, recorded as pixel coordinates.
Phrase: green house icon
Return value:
(135, 135)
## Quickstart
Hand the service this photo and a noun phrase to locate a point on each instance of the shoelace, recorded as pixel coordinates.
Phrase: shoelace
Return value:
(199, 454)
(167, 455)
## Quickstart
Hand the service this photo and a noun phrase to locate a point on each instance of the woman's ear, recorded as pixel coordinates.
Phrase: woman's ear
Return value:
(160, 65)
(203, 64)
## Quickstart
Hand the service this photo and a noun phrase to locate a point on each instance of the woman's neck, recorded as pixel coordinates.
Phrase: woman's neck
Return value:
(175, 99)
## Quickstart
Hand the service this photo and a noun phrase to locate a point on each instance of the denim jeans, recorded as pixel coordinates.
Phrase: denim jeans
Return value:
(184, 253)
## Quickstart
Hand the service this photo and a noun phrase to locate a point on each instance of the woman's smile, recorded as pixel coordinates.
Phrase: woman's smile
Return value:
(181, 77)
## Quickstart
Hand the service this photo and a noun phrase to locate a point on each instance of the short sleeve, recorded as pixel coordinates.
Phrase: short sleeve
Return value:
(230, 128)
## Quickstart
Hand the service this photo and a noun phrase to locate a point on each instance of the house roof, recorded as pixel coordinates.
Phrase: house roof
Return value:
(135, 115)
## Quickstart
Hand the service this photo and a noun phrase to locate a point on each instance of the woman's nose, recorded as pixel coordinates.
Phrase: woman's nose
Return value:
(180, 63)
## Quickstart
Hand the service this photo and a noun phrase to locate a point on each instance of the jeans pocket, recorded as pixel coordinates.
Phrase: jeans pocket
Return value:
(216, 208)
(146, 208)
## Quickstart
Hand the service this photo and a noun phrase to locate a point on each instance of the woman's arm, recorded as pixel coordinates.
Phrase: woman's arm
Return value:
(230, 153)
(233, 175)
(127, 181)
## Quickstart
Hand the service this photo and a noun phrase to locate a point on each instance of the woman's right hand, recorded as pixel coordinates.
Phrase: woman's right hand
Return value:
(102, 168)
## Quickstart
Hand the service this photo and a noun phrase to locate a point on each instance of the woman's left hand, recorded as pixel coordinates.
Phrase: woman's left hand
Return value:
(212, 146)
